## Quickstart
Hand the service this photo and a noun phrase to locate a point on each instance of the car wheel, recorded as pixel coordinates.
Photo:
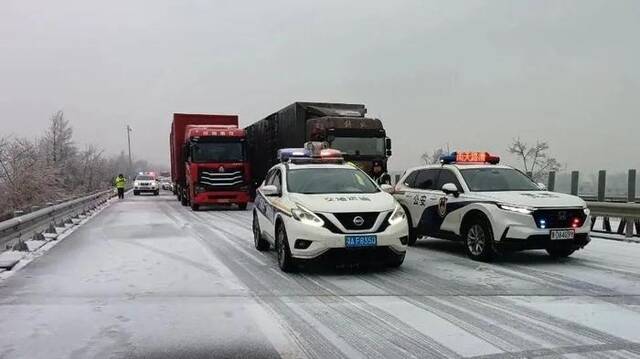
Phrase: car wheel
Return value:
(242, 206)
(413, 232)
(478, 240)
(285, 262)
(135, 193)
(560, 252)
(183, 200)
(156, 193)
(260, 243)
(195, 207)
(395, 260)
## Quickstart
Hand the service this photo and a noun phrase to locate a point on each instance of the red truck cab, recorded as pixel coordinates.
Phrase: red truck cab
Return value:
(209, 160)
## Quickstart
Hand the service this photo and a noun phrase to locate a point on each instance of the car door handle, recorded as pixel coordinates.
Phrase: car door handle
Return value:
(433, 198)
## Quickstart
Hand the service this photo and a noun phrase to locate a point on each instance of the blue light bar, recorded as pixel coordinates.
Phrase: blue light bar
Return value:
(449, 158)
(284, 154)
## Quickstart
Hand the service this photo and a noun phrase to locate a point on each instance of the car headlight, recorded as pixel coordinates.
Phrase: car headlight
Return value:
(397, 216)
(305, 216)
(514, 208)
(586, 211)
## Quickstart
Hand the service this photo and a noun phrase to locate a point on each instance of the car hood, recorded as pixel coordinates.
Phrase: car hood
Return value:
(538, 199)
(341, 203)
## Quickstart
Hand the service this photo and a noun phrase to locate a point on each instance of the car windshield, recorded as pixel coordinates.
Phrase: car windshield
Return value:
(144, 178)
(497, 180)
(218, 152)
(360, 146)
(329, 180)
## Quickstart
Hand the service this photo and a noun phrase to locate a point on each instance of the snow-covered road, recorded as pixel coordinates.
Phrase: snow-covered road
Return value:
(149, 278)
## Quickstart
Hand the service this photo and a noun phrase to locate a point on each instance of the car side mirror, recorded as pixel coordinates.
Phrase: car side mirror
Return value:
(542, 186)
(450, 188)
(387, 188)
(269, 190)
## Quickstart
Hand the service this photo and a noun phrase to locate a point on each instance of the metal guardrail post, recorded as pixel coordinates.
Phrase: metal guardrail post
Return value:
(551, 182)
(602, 183)
(631, 197)
(575, 176)
(631, 188)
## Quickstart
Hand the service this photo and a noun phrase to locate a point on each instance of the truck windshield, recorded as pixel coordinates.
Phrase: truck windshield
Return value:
(360, 146)
(497, 180)
(329, 180)
(217, 152)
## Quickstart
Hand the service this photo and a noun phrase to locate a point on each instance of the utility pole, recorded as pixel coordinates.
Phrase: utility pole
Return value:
(129, 142)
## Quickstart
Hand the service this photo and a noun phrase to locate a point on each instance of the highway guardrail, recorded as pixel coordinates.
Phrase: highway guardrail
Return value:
(42, 224)
(629, 214)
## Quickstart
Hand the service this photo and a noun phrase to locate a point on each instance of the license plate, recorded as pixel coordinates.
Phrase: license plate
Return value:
(360, 241)
(562, 234)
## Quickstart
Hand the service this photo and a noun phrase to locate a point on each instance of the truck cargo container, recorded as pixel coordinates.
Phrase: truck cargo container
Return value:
(209, 163)
(344, 126)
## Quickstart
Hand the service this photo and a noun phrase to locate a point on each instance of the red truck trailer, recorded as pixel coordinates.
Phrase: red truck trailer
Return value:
(209, 163)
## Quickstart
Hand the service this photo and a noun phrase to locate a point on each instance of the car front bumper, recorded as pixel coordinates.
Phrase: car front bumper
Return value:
(323, 240)
(221, 197)
(542, 241)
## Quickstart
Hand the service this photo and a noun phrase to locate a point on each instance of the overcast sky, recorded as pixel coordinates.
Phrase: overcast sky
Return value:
(471, 74)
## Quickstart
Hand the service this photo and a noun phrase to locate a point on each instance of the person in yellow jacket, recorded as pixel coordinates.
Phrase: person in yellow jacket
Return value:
(120, 182)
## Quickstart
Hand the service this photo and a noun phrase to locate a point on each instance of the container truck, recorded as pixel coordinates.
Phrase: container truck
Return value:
(362, 140)
(209, 163)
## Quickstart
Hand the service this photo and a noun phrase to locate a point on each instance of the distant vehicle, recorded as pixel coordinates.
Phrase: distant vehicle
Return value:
(209, 160)
(361, 139)
(313, 205)
(145, 183)
(489, 207)
(165, 184)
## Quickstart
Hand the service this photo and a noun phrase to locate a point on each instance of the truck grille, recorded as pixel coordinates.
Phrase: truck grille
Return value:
(348, 220)
(221, 180)
(559, 218)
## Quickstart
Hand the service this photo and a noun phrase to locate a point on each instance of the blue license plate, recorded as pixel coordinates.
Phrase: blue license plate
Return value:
(360, 241)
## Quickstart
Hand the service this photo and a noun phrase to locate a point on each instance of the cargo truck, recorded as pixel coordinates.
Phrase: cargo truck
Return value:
(362, 139)
(209, 163)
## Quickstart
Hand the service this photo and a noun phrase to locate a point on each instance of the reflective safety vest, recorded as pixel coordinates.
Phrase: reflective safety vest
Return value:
(120, 181)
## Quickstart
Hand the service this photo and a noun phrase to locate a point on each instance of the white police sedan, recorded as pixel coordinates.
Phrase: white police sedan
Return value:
(312, 207)
(491, 208)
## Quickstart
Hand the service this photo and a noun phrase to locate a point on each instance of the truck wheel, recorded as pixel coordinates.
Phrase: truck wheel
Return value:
(413, 232)
(285, 261)
(260, 243)
(560, 252)
(478, 240)
(242, 206)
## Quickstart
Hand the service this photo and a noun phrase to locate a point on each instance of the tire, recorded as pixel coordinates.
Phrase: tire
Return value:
(183, 201)
(156, 193)
(136, 193)
(195, 207)
(413, 233)
(478, 240)
(285, 261)
(259, 242)
(560, 252)
(242, 206)
(395, 260)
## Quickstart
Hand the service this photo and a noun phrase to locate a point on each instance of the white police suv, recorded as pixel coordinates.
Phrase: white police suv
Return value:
(490, 207)
(312, 205)
(146, 182)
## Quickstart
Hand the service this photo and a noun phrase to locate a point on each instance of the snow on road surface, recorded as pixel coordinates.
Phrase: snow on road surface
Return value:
(148, 278)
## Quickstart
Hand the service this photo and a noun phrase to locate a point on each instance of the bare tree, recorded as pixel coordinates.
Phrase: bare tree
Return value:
(58, 140)
(433, 157)
(535, 158)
